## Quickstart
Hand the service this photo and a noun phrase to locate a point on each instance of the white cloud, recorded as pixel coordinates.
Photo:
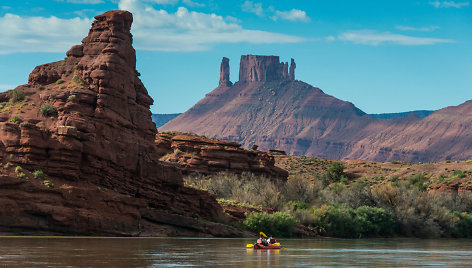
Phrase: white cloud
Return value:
(191, 31)
(35, 34)
(153, 29)
(374, 38)
(255, 8)
(163, 2)
(417, 29)
(6, 7)
(330, 38)
(191, 3)
(90, 2)
(438, 4)
(291, 15)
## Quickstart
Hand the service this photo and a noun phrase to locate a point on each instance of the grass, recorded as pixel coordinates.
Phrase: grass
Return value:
(47, 110)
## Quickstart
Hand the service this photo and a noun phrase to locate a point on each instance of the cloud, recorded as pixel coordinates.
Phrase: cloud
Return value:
(90, 2)
(291, 15)
(153, 29)
(191, 3)
(417, 29)
(445, 4)
(374, 38)
(255, 8)
(40, 34)
(187, 30)
(163, 2)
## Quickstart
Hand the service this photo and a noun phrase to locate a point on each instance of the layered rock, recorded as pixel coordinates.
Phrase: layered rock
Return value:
(195, 154)
(86, 123)
(224, 73)
(255, 68)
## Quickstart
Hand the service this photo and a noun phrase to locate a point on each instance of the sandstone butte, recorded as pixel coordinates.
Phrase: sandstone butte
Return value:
(268, 107)
(85, 123)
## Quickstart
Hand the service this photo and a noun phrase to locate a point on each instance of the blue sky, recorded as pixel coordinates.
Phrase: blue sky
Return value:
(384, 56)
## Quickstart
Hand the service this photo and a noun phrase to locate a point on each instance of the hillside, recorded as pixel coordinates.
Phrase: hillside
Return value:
(268, 107)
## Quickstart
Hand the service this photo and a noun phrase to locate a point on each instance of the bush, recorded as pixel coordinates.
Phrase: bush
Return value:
(38, 174)
(277, 224)
(418, 181)
(458, 174)
(16, 96)
(78, 80)
(335, 172)
(463, 227)
(60, 81)
(47, 110)
(48, 183)
(342, 221)
(71, 98)
(16, 119)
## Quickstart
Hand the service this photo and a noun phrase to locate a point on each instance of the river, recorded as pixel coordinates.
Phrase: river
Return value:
(200, 252)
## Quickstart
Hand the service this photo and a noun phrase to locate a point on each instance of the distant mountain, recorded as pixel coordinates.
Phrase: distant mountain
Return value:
(268, 107)
(419, 113)
(162, 119)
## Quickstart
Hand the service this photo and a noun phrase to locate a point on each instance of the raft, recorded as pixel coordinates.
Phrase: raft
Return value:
(270, 246)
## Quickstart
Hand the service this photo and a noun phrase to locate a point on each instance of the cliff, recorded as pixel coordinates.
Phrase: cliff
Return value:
(84, 126)
(196, 154)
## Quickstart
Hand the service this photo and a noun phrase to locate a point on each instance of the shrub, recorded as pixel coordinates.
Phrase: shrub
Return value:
(47, 110)
(38, 174)
(78, 80)
(48, 183)
(298, 205)
(463, 227)
(71, 98)
(18, 169)
(375, 221)
(7, 165)
(16, 96)
(278, 223)
(16, 119)
(336, 171)
(60, 81)
(418, 181)
(458, 174)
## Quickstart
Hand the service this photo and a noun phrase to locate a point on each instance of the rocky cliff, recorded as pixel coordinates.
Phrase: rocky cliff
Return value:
(196, 154)
(268, 107)
(84, 126)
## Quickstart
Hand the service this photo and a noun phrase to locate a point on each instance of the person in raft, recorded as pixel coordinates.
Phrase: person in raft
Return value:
(262, 241)
(272, 240)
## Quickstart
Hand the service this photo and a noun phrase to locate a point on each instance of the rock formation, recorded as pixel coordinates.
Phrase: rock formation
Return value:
(224, 73)
(195, 154)
(255, 68)
(275, 111)
(85, 123)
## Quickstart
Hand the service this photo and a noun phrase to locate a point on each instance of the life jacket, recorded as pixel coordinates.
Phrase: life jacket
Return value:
(272, 240)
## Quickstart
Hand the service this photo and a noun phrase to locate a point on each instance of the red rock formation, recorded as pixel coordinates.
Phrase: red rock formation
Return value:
(94, 131)
(255, 68)
(194, 154)
(224, 73)
(274, 112)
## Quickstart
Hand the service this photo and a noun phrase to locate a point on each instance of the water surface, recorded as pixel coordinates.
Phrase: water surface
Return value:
(197, 252)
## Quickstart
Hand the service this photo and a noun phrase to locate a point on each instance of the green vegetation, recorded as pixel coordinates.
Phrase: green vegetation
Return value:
(78, 80)
(343, 221)
(38, 174)
(71, 98)
(19, 172)
(16, 119)
(7, 165)
(16, 96)
(362, 207)
(278, 223)
(60, 81)
(48, 183)
(47, 110)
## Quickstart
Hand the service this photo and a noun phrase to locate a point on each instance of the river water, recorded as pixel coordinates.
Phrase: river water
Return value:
(198, 252)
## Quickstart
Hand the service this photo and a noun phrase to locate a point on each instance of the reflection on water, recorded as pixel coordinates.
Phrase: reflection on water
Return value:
(182, 252)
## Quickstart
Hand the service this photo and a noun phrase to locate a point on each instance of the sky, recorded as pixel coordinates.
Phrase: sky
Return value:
(383, 56)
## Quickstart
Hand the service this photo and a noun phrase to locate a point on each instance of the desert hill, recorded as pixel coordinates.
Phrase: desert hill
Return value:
(268, 107)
